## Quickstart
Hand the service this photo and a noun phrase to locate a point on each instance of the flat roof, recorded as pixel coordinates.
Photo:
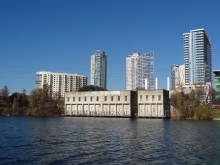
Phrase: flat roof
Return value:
(48, 72)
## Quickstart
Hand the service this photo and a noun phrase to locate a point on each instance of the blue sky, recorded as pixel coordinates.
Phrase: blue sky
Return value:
(58, 35)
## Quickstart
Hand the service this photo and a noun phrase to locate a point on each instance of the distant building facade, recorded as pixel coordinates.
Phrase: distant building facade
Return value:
(217, 82)
(98, 72)
(174, 76)
(142, 103)
(138, 70)
(101, 103)
(177, 76)
(60, 83)
(197, 57)
(153, 103)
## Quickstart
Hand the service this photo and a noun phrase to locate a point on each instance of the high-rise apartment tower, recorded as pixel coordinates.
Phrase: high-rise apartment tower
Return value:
(98, 73)
(60, 83)
(138, 70)
(197, 57)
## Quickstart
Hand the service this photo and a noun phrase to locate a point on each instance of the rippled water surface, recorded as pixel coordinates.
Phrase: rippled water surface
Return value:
(72, 140)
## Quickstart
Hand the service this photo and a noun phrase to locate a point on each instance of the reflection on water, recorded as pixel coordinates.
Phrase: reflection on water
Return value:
(72, 140)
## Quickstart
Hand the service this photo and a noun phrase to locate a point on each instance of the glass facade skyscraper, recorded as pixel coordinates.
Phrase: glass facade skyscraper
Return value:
(98, 69)
(197, 57)
(138, 70)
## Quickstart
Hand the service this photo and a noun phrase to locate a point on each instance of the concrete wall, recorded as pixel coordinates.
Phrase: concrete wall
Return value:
(153, 103)
(143, 103)
(100, 103)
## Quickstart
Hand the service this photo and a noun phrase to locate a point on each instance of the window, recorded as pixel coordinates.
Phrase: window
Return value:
(97, 98)
(68, 99)
(79, 98)
(91, 98)
(146, 97)
(140, 97)
(105, 98)
(152, 97)
(159, 97)
(118, 98)
(85, 99)
(111, 98)
(73, 98)
(125, 98)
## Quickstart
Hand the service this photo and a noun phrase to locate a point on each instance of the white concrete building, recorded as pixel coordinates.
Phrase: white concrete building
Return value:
(138, 69)
(182, 74)
(60, 83)
(153, 103)
(98, 72)
(177, 75)
(197, 57)
(101, 103)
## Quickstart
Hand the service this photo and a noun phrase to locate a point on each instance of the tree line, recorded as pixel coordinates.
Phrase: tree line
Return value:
(193, 104)
(45, 102)
(40, 102)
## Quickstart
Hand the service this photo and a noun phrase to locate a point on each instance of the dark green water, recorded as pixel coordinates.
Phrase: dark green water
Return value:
(72, 140)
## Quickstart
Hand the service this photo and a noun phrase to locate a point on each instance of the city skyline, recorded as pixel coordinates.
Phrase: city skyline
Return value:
(58, 37)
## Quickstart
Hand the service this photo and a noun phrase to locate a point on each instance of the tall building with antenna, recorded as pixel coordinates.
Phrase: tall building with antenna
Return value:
(197, 57)
(140, 69)
(98, 72)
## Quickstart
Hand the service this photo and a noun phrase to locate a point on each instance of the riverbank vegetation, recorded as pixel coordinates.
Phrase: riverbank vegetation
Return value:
(40, 102)
(45, 102)
(193, 104)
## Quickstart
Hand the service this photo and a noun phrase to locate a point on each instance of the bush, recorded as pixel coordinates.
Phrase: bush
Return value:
(204, 113)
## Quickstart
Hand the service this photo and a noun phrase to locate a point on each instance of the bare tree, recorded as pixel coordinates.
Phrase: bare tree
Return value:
(44, 103)
(4, 92)
(15, 106)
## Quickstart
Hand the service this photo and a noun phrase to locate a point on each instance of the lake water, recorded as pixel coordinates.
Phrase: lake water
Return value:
(77, 140)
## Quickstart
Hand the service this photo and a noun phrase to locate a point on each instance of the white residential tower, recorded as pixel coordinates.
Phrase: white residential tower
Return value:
(197, 57)
(138, 70)
(60, 83)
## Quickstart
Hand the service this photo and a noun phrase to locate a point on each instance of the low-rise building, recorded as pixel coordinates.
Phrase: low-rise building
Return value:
(153, 103)
(101, 103)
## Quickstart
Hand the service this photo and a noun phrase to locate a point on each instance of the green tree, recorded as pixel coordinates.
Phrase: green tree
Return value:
(185, 103)
(203, 113)
(91, 88)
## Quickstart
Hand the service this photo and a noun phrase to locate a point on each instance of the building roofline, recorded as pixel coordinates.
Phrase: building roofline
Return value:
(48, 72)
(197, 30)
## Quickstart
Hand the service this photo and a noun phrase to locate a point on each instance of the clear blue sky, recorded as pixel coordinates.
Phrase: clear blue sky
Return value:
(58, 35)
